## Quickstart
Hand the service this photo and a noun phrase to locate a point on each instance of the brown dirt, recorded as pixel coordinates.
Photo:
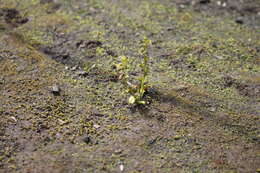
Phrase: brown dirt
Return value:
(203, 111)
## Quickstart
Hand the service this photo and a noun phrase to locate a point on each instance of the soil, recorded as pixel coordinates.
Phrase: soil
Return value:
(64, 107)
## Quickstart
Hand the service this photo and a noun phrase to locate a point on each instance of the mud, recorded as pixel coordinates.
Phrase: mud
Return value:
(202, 111)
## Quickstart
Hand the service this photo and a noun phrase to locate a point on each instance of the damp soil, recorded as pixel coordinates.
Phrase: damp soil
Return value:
(64, 107)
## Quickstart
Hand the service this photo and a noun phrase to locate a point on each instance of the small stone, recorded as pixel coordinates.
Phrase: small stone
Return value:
(96, 126)
(213, 109)
(170, 29)
(239, 20)
(55, 89)
(118, 151)
(219, 57)
(204, 1)
(121, 167)
(87, 139)
(82, 73)
(152, 141)
(58, 135)
(13, 119)
(2, 80)
(62, 122)
(74, 68)
(182, 6)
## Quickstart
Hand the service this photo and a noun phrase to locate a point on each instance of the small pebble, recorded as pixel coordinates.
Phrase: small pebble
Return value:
(82, 73)
(55, 89)
(74, 68)
(62, 122)
(87, 139)
(121, 167)
(177, 137)
(213, 109)
(96, 126)
(118, 151)
(13, 119)
(204, 1)
(239, 20)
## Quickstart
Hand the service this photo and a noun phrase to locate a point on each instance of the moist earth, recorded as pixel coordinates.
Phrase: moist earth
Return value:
(64, 106)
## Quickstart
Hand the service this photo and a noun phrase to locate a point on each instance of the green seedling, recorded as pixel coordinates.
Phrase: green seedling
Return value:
(136, 91)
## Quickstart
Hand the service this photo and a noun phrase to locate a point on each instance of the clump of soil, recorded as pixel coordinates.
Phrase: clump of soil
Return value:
(12, 17)
(245, 88)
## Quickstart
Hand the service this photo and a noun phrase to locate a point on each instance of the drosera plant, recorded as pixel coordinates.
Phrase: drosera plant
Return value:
(138, 90)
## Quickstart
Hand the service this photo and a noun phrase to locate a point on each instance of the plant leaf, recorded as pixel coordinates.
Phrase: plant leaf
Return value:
(142, 102)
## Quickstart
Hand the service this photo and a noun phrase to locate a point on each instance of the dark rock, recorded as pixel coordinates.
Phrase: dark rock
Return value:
(152, 141)
(2, 80)
(13, 17)
(239, 20)
(86, 139)
(204, 1)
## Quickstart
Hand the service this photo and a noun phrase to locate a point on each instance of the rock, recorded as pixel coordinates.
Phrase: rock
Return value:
(55, 89)
(74, 68)
(2, 80)
(82, 73)
(204, 1)
(62, 122)
(152, 141)
(121, 167)
(213, 109)
(86, 139)
(118, 151)
(13, 119)
(219, 57)
(96, 126)
(239, 20)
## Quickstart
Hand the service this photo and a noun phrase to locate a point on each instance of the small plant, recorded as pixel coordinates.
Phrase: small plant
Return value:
(136, 91)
